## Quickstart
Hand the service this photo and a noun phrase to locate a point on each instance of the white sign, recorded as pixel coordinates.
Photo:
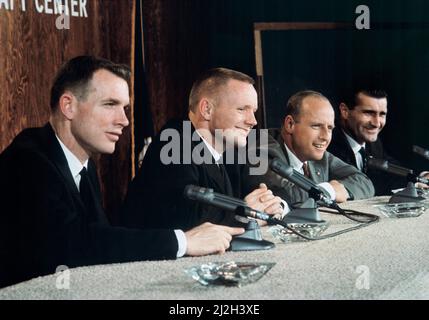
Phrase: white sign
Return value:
(74, 8)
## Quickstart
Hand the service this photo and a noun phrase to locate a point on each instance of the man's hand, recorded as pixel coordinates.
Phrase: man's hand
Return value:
(341, 194)
(209, 238)
(424, 174)
(262, 199)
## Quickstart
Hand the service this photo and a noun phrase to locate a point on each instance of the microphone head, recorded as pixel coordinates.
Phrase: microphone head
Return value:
(421, 152)
(378, 164)
(194, 192)
(385, 166)
(281, 168)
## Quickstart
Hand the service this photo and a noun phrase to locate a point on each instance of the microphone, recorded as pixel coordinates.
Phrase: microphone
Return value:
(422, 152)
(287, 172)
(385, 166)
(208, 196)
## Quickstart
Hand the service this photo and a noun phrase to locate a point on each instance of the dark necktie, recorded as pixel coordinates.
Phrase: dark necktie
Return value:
(225, 177)
(86, 192)
(364, 159)
(305, 169)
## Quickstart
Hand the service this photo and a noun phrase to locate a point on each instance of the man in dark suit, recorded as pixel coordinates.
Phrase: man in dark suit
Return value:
(222, 104)
(49, 191)
(362, 116)
(301, 143)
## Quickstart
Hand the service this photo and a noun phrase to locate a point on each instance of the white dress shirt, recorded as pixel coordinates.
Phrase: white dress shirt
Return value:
(356, 148)
(73, 162)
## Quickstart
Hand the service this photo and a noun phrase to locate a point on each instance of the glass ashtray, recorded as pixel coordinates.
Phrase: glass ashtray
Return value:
(231, 274)
(311, 230)
(403, 210)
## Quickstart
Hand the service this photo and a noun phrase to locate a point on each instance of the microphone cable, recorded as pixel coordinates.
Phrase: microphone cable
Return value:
(351, 214)
(326, 236)
(348, 213)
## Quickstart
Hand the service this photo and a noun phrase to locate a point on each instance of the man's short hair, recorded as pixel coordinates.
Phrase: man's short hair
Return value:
(76, 74)
(294, 104)
(210, 81)
(352, 100)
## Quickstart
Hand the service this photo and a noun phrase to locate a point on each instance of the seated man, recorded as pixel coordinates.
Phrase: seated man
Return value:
(222, 104)
(301, 143)
(49, 191)
(362, 117)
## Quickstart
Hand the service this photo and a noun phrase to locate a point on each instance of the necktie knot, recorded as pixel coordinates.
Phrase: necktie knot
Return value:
(305, 169)
(83, 172)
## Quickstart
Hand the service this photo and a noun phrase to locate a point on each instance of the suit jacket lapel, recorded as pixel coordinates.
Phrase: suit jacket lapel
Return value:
(346, 148)
(317, 173)
(280, 145)
(57, 156)
(214, 172)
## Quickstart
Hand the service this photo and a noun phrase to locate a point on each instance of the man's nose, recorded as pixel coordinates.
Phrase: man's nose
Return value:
(122, 118)
(376, 121)
(325, 134)
(251, 119)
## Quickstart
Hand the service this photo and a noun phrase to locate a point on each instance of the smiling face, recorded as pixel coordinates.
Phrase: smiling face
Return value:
(309, 135)
(98, 119)
(365, 121)
(234, 112)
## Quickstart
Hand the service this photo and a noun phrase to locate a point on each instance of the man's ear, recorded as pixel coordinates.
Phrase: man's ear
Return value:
(66, 105)
(288, 124)
(206, 109)
(344, 110)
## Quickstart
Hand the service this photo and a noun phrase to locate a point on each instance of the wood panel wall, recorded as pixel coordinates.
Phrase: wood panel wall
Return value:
(31, 51)
(176, 47)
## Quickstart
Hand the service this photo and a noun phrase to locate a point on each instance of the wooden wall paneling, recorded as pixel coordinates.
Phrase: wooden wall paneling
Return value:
(176, 49)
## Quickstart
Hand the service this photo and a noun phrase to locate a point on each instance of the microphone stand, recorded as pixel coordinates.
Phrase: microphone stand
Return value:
(251, 239)
(306, 212)
(409, 194)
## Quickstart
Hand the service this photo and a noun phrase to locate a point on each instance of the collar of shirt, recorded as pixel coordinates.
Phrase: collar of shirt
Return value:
(353, 144)
(294, 162)
(73, 162)
(216, 155)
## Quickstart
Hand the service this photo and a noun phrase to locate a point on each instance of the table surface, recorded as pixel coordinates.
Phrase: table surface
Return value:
(386, 260)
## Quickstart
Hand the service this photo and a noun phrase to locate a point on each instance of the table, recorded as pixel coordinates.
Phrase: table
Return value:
(386, 260)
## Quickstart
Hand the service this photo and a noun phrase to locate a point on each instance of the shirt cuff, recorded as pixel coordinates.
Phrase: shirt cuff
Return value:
(286, 208)
(424, 173)
(330, 189)
(182, 243)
